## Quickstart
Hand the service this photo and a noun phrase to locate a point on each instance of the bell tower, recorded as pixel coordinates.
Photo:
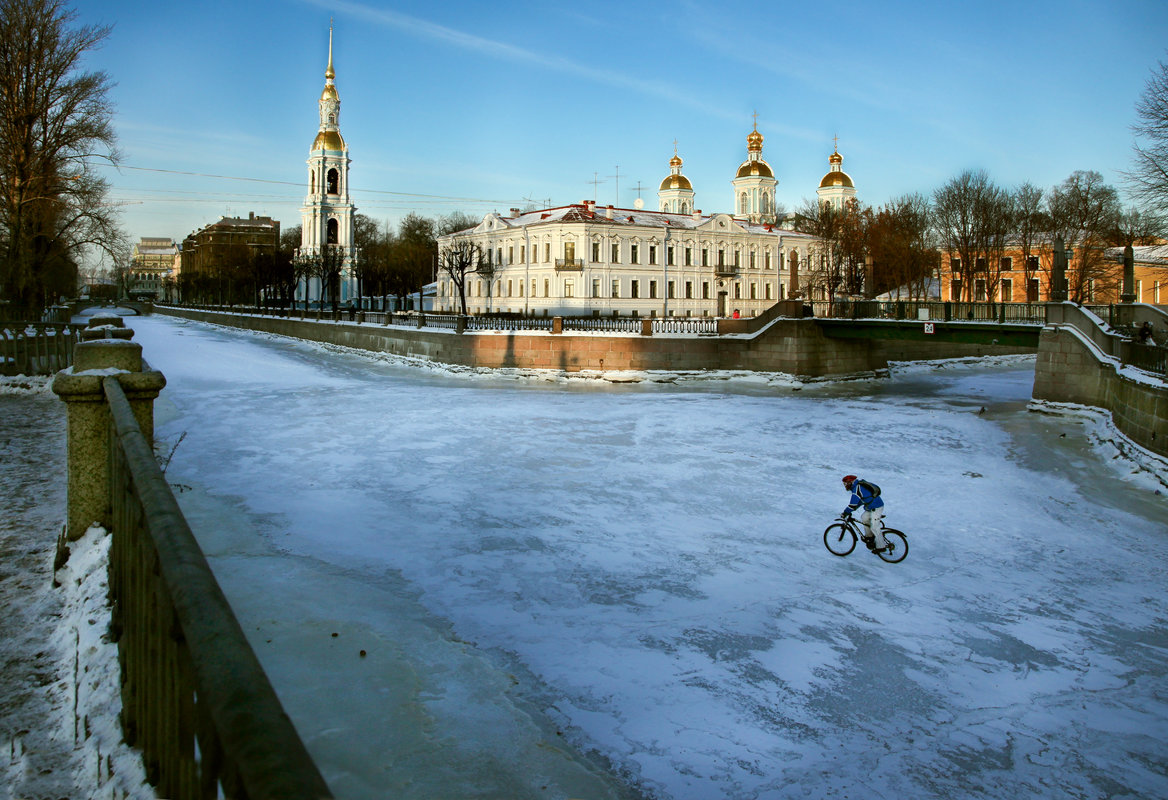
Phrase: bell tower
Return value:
(755, 182)
(326, 218)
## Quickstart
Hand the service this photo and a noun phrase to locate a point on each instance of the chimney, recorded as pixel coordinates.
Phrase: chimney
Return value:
(608, 212)
(251, 215)
(697, 215)
(590, 206)
(514, 213)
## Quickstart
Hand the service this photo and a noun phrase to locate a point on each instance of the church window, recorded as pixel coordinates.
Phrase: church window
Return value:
(332, 181)
(743, 204)
(684, 208)
(332, 232)
(766, 202)
(312, 182)
(635, 289)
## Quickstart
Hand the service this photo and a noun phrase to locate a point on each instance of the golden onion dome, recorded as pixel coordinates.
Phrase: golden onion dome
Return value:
(754, 141)
(328, 140)
(836, 178)
(675, 161)
(676, 182)
(329, 93)
(835, 158)
(757, 168)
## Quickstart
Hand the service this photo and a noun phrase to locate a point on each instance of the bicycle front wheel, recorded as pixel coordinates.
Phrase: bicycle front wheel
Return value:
(839, 539)
(899, 546)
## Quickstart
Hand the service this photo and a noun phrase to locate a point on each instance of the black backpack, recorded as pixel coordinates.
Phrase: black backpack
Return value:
(871, 487)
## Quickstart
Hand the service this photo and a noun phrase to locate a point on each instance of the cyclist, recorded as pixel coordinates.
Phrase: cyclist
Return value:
(864, 494)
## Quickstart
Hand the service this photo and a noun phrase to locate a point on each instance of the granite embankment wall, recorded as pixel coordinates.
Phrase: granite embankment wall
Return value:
(1075, 366)
(793, 346)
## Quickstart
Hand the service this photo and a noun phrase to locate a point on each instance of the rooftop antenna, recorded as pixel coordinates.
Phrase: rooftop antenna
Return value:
(595, 182)
(617, 176)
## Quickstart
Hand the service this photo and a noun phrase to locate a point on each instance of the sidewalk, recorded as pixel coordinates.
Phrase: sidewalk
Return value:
(54, 740)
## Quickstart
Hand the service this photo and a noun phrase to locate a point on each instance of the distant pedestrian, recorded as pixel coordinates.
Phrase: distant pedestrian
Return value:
(867, 494)
(736, 313)
(1145, 334)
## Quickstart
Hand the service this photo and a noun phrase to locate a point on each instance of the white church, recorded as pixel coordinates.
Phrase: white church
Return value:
(585, 260)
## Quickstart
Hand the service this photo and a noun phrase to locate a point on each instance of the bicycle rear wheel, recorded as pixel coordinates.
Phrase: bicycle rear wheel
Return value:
(899, 543)
(839, 539)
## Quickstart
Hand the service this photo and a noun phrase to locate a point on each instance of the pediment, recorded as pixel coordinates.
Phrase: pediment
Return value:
(721, 223)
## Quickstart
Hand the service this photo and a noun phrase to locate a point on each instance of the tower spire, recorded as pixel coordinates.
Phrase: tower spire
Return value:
(329, 74)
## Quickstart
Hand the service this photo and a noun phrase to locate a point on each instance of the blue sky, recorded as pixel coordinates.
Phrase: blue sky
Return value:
(482, 106)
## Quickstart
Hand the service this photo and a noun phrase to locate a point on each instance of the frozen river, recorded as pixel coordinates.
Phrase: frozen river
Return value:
(509, 586)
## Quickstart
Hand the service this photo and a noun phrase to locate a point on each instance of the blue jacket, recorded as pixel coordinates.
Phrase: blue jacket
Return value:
(862, 496)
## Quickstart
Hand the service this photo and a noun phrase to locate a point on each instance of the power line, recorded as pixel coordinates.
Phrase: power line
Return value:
(293, 183)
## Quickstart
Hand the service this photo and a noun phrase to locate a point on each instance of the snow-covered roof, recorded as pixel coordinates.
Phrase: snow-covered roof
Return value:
(587, 212)
(1144, 254)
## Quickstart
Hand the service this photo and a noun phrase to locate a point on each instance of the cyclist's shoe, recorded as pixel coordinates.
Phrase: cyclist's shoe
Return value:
(869, 542)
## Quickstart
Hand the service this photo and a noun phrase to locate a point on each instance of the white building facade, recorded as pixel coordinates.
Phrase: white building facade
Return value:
(584, 260)
(326, 219)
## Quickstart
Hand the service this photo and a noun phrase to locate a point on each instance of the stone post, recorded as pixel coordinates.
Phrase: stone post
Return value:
(1058, 272)
(1129, 276)
(88, 422)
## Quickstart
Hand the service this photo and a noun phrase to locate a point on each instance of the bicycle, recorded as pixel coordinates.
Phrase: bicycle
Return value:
(841, 536)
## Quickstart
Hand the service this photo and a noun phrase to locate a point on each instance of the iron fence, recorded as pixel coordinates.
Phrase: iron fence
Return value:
(930, 310)
(195, 699)
(37, 348)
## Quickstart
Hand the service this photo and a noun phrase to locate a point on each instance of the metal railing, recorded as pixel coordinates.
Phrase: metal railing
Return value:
(195, 699)
(698, 325)
(931, 310)
(603, 324)
(36, 348)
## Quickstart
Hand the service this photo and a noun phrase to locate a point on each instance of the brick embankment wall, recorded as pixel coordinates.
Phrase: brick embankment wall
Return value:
(1072, 370)
(792, 346)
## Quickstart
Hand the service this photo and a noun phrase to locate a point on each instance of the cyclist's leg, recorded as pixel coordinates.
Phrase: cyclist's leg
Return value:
(875, 524)
(866, 521)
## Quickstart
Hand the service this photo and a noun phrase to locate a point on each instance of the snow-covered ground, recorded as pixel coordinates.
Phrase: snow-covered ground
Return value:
(457, 578)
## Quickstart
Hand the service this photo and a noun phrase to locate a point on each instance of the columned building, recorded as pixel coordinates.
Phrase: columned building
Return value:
(676, 194)
(154, 266)
(326, 219)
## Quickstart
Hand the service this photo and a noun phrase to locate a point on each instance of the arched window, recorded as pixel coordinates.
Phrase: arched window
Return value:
(766, 202)
(685, 208)
(312, 183)
(743, 204)
(331, 232)
(333, 181)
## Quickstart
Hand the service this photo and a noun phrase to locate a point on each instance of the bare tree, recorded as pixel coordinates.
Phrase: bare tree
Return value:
(972, 219)
(1084, 211)
(901, 245)
(55, 124)
(461, 257)
(1030, 226)
(1148, 179)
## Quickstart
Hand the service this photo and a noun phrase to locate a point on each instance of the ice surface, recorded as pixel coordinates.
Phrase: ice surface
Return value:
(637, 569)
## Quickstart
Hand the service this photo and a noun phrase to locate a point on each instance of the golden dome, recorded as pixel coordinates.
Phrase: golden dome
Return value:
(328, 140)
(675, 161)
(676, 182)
(329, 93)
(754, 140)
(835, 158)
(757, 168)
(836, 178)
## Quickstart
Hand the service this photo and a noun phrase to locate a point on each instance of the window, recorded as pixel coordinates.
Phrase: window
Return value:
(546, 286)
(689, 290)
(533, 287)
(1032, 264)
(547, 252)
(511, 254)
(767, 260)
(521, 288)
(752, 259)
(738, 294)
(722, 263)
(652, 254)
(499, 256)
(705, 290)
(652, 290)
(596, 287)
(669, 291)
(570, 253)
(979, 288)
(634, 254)
(635, 289)
(1032, 291)
(331, 233)
(595, 252)
(332, 180)
(508, 287)
(955, 265)
(669, 256)
(737, 254)
(689, 256)
(615, 253)
(1006, 264)
(954, 290)
(753, 291)
(705, 256)
(615, 288)
(1007, 291)
(768, 290)
(568, 289)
